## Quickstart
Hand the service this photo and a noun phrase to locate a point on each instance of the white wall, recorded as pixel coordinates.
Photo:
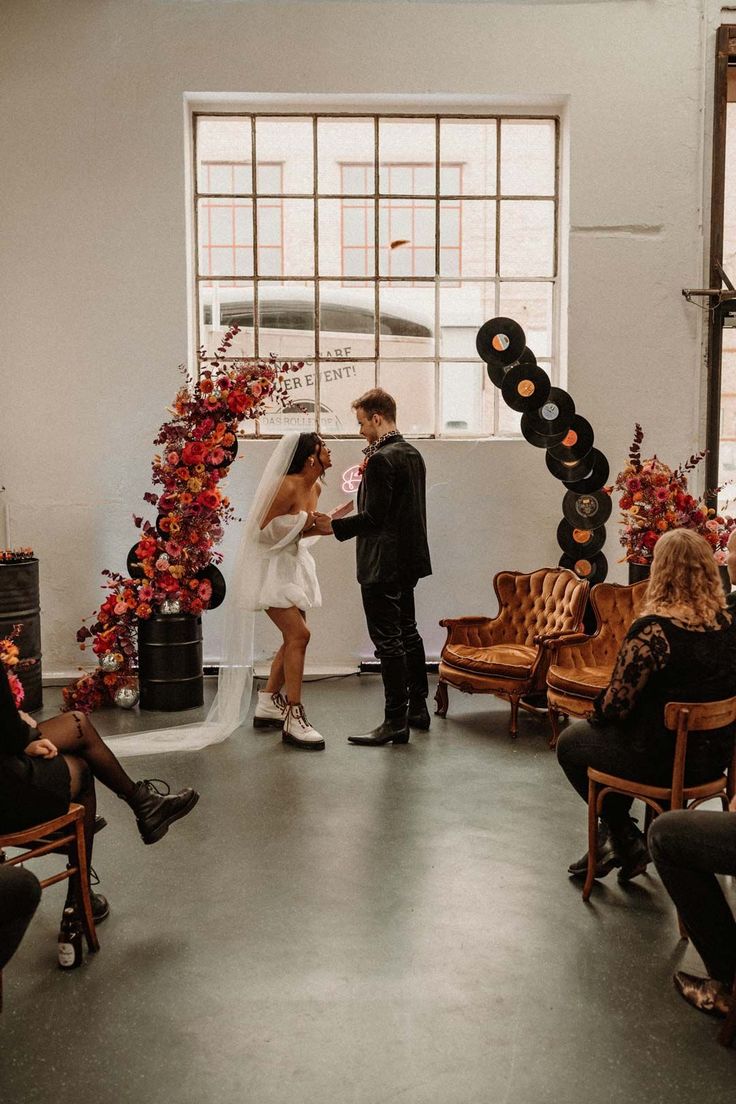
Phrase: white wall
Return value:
(93, 286)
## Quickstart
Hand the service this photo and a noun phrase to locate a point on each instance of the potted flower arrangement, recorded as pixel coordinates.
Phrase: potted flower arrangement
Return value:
(172, 567)
(654, 499)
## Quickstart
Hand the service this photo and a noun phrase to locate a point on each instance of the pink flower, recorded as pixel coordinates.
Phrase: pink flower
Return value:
(120, 608)
(205, 590)
(162, 564)
(216, 456)
(145, 593)
(174, 549)
(173, 459)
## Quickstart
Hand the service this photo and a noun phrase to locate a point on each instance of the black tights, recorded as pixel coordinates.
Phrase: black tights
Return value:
(88, 758)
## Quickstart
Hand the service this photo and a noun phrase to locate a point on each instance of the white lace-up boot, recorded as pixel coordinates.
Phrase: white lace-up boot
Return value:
(270, 710)
(298, 732)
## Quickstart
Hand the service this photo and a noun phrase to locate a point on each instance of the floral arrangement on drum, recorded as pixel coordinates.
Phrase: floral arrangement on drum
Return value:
(9, 658)
(172, 567)
(655, 499)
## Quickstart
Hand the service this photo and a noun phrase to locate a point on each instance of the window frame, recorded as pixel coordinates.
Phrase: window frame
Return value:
(321, 361)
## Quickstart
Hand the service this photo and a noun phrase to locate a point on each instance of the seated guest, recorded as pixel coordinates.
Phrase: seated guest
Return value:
(682, 648)
(19, 897)
(689, 849)
(45, 766)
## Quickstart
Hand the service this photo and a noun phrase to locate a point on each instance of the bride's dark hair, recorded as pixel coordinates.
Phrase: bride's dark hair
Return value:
(307, 446)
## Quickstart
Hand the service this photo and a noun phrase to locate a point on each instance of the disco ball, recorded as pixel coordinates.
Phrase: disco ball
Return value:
(111, 662)
(170, 606)
(126, 697)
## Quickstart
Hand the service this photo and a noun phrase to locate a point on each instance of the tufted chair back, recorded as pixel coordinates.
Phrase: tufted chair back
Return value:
(546, 601)
(615, 608)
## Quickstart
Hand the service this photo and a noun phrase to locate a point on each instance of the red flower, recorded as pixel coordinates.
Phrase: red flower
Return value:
(144, 549)
(650, 539)
(167, 583)
(239, 402)
(210, 500)
(193, 452)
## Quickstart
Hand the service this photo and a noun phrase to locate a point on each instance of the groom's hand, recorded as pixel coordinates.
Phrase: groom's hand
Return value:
(323, 524)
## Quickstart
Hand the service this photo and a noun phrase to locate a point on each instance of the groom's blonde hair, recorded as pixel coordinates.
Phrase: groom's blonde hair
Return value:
(377, 401)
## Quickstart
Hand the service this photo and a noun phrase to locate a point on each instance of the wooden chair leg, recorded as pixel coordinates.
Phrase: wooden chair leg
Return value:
(79, 859)
(592, 838)
(554, 724)
(442, 700)
(514, 723)
(727, 1032)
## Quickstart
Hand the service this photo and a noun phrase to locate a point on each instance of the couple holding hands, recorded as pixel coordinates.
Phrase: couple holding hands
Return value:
(390, 527)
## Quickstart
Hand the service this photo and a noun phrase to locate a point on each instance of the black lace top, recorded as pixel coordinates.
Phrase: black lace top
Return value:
(663, 660)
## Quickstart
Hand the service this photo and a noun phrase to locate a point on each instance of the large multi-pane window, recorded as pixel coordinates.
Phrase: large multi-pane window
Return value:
(373, 247)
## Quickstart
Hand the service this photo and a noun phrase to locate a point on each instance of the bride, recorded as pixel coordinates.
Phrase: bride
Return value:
(274, 572)
(289, 587)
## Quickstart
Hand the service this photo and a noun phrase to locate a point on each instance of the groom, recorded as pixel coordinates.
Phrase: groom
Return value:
(392, 555)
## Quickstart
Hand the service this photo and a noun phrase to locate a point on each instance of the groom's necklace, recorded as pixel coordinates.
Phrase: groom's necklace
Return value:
(371, 449)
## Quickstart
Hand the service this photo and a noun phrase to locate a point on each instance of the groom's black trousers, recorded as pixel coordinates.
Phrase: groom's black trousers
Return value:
(392, 626)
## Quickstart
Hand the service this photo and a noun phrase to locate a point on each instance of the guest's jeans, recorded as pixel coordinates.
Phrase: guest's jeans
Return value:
(689, 849)
(19, 897)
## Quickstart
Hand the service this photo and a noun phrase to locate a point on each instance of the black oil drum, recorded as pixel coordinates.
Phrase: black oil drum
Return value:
(20, 605)
(170, 662)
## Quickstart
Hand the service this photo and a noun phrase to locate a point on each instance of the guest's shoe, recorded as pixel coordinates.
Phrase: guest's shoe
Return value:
(155, 812)
(632, 848)
(270, 710)
(100, 906)
(419, 715)
(705, 994)
(298, 732)
(390, 732)
(607, 857)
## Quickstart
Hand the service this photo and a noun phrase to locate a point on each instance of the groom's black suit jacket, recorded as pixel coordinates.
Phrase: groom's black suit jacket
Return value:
(391, 520)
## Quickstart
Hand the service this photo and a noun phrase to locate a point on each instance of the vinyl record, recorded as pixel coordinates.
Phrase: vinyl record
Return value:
(577, 442)
(593, 569)
(588, 510)
(596, 477)
(568, 470)
(217, 580)
(496, 372)
(580, 542)
(525, 387)
(537, 438)
(500, 341)
(555, 414)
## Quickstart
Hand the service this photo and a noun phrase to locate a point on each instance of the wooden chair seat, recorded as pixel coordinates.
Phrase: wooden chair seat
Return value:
(64, 834)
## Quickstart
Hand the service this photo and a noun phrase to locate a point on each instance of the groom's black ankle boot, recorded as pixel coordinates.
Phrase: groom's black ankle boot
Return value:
(392, 731)
(419, 715)
(395, 728)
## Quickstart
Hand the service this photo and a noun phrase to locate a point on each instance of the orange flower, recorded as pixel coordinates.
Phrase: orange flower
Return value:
(662, 524)
(185, 499)
(206, 386)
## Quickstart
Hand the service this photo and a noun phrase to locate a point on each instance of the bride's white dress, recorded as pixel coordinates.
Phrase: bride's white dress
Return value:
(289, 574)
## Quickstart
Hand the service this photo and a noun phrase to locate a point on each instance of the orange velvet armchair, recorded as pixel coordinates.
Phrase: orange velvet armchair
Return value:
(579, 670)
(508, 655)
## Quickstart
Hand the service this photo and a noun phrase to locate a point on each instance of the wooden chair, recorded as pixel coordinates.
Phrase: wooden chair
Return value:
(507, 655)
(681, 718)
(64, 834)
(580, 669)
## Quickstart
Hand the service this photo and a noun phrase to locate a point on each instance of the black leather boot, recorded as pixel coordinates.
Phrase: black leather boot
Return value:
(155, 811)
(632, 849)
(418, 686)
(395, 729)
(607, 858)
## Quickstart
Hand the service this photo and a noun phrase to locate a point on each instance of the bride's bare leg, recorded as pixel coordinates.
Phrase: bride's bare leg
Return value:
(276, 675)
(293, 628)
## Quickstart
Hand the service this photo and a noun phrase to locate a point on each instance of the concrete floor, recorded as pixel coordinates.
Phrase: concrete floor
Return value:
(362, 926)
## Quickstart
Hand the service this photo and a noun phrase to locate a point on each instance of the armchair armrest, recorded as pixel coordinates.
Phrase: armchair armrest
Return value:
(475, 631)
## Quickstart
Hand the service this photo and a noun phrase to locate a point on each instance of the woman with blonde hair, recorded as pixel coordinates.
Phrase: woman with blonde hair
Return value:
(681, 648)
